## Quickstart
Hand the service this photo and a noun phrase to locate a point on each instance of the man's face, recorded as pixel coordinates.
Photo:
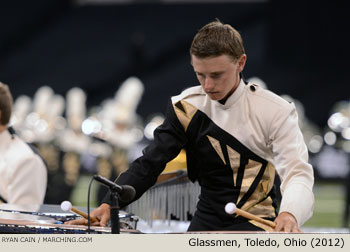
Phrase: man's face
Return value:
(219, 76)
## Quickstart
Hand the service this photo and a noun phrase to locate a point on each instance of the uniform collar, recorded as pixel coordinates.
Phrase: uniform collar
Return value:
(234, 97)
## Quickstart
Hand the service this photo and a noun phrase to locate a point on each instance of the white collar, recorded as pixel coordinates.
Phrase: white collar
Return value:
(233, 97)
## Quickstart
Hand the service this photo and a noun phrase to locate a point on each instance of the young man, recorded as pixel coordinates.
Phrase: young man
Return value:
(23, 174)
(236, 136)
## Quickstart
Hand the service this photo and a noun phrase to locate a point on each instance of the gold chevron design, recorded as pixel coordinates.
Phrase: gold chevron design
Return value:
(264, 208)
(250, 172)
(216, 145)
(234, 158)
(254, 204)
(185, 112)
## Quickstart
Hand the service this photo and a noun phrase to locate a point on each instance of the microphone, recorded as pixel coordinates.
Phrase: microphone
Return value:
(126, 192)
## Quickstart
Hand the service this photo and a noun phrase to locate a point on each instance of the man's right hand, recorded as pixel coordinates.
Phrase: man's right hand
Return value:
(102, 213)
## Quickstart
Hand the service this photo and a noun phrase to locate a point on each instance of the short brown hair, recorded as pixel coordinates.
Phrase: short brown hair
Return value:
(5, 104)
(215, 39)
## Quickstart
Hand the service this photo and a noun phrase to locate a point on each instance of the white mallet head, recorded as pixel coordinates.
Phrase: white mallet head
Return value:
(66, 206)
(230, 208)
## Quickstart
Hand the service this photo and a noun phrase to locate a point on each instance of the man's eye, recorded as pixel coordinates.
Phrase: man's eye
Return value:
(216, 76)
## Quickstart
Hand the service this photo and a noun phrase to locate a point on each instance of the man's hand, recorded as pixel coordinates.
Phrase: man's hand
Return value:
(102, 213)
(286, 222)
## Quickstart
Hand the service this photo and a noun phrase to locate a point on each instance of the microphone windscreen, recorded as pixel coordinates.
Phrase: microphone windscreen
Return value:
(66, 206)
(128, 193)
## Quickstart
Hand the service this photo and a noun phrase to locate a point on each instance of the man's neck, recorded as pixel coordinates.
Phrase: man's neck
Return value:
(222, 101)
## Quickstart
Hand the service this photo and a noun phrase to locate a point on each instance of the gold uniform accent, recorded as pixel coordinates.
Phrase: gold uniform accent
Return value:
(255, 204)
(184, 112)
(185, 116)
(178, 163)
(250, 171)
(263, 208)
(235, 159)
(216, 145)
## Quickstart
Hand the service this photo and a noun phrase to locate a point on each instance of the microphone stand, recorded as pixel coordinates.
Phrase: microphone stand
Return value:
(114, 210)
(127, 193)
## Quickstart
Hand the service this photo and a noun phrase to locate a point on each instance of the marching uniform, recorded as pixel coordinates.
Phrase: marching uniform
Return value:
(233, 150)
(23, 174)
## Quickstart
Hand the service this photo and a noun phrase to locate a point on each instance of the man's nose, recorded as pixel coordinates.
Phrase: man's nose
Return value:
(208, 85)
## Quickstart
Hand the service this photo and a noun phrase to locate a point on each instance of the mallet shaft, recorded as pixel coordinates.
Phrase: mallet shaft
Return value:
(81, 213)
(254, 217)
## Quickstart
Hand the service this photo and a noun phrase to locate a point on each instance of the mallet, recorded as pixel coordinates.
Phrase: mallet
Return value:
(67, 206)
(231, 208)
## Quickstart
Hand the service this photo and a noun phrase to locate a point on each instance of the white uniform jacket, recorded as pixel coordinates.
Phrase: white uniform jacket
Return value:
(23, 174)
(233, 150)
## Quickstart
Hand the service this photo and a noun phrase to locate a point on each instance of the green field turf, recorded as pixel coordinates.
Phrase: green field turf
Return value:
(329, 205)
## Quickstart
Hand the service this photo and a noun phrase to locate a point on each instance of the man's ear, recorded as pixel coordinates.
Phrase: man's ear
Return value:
(241, 62)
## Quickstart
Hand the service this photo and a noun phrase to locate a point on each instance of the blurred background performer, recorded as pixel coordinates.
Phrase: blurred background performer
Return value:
(73, 144)
(236, 136)
(121, 130)
(23, 174)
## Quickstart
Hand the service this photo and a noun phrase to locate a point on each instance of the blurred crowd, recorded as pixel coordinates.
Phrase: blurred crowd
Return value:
(74, 140)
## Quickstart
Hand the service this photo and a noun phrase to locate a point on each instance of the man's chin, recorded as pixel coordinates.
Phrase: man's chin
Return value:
(214, 97)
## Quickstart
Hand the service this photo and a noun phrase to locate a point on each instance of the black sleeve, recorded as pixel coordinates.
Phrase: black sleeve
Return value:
(169, 139)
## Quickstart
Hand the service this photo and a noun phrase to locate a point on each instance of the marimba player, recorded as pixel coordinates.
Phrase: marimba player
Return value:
(237, 136)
